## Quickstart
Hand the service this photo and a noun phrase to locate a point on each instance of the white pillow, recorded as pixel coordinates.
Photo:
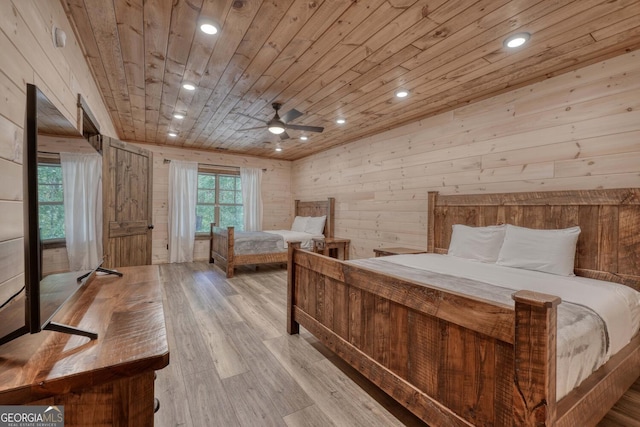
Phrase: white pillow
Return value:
(299, 223)
(315, 225)
(479, 243)
(551, 251)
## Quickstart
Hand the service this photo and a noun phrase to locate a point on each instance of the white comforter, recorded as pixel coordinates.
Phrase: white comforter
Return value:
(306, 239)
(582, 338)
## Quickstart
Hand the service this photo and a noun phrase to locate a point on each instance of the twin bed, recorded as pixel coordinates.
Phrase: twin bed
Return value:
(230, 249)
(422, 328)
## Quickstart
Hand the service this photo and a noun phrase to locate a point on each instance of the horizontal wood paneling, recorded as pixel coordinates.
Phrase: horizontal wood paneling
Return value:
(55, 261)
(11, 223)
(276, 193)
(11, 259)
(58, 144)
(580, 130)
(28, 56)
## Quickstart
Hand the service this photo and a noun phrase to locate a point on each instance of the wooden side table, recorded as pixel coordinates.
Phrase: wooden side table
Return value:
(335, 247)
(397, 251)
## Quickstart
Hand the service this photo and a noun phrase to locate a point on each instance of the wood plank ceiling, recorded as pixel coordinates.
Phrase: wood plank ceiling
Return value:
(329, 59)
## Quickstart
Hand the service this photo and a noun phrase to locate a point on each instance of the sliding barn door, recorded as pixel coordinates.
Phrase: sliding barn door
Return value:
(126, 189)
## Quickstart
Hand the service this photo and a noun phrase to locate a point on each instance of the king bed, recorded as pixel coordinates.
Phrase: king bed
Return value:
(424, 329)
(229, 248)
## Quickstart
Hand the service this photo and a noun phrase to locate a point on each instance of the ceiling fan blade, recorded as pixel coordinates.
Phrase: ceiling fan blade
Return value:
(306, 128)
(251, 117)
(284, 135)
(256, 128)
(291, 115)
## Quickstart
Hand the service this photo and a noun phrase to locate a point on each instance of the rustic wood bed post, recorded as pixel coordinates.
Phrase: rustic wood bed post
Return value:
(211, 227)
(230, 253)
(329, 227)
(293, 327)
(534, 392)
(432, 197)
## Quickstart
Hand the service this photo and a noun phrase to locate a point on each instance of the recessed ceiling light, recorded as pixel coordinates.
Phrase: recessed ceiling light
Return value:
(516, 40)
(189, 86)
(172, 134)
(178, 116)
(208, 27)
(402, 93)
(341, 121)
(278, 149)
(304, 138)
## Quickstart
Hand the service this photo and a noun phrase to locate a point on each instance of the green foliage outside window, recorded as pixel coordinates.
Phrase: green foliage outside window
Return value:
(50, 201)
(219, 196)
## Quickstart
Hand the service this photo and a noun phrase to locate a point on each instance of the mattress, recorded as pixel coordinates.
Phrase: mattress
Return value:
(270, 241)
(595, 318)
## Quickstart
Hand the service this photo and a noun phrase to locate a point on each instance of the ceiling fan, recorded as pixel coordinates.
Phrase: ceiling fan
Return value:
(279, 125)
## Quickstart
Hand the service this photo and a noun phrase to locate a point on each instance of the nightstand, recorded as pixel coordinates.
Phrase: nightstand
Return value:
(397, 251)
(335, 247)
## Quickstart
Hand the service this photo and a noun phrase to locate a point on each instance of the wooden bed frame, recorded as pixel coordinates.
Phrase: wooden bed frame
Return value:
(221, 240)
(455, 360)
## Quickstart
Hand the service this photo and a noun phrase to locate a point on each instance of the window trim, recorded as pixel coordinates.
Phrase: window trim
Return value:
(206, 169)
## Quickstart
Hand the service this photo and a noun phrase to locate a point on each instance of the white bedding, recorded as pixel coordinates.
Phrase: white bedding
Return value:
(306, 239)
(582, 335)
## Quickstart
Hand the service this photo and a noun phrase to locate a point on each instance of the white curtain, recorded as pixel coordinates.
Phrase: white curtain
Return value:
(251, 181)
(82, 190)
(183, 188)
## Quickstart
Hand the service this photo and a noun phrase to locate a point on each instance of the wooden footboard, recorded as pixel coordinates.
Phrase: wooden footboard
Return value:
(221, 248)
(451, 359)
(222, 252)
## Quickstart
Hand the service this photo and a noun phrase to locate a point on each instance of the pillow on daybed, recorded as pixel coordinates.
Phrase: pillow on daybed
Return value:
(550, 251)
(315, 225)
(479, 243)
(300, 223)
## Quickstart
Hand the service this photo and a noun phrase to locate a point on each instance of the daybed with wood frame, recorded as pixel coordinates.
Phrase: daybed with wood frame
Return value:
(456, 360)
(222, 240)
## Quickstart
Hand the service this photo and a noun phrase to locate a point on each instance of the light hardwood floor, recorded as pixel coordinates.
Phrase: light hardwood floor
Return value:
(233, 364)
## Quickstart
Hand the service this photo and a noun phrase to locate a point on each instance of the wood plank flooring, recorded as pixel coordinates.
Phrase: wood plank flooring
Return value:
(233, 364)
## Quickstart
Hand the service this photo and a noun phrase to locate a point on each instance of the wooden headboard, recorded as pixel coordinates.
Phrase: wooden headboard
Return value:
(609, 243)
(319, 208)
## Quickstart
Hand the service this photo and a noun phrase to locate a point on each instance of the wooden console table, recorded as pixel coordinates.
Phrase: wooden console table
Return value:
(332, 246)
(108, 381)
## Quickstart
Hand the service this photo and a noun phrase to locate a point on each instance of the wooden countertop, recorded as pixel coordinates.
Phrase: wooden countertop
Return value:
(127, 314)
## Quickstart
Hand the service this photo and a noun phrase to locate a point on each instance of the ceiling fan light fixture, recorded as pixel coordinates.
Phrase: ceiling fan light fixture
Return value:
(341, 121)
(189, 86)
(172, 134)
(304, 138)
(276, 129)
(278, 149)
(402, 93)
(178, 116)
(516, 40)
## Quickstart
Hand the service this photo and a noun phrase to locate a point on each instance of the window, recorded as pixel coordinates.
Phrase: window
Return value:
(219, 201)
(50, 201)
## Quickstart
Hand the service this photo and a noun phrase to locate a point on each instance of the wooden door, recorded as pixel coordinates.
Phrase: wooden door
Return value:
(126, 193)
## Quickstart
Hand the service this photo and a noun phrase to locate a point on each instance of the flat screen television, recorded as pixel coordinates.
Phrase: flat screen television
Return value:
(32, 308)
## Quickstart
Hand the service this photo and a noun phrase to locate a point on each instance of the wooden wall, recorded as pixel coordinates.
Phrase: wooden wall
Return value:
(580, 130)
(276, 193)
(28, 56)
